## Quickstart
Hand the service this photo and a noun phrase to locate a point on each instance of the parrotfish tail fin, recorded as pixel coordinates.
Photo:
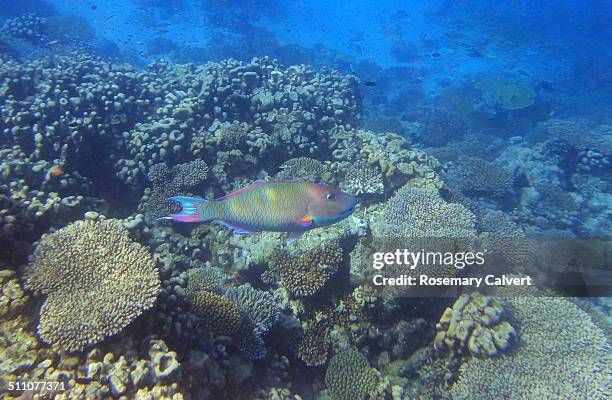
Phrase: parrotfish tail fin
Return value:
(191, 210)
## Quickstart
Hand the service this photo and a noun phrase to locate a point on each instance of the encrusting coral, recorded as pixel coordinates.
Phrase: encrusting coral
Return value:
(96, 281)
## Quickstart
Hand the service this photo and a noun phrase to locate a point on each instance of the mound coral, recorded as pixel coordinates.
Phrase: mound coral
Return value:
(363, 178)
(216, 312)
(305, 273)
(560, 354)
(474, 324)
(349, 376)
(96, 281)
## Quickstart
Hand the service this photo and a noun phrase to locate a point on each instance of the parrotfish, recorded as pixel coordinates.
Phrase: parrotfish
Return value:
(274, 206)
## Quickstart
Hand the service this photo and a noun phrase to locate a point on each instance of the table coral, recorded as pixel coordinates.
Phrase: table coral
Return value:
(96, 281)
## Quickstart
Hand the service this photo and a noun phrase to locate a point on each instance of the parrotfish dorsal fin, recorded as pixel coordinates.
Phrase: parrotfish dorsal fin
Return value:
(253, 186)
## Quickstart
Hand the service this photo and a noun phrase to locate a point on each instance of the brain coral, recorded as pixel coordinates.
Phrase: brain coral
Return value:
(219, 314)
(96, 281)
(305, 273)
(560, 354)
(416, 212)
(349, 376)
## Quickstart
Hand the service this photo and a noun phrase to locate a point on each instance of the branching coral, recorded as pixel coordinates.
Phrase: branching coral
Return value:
(314, 346)
(474, 324)
(257, 306)
(210, 279)
(96, 281)
(363, 178)
(216, 312)
(173, 181)
(259, 311)
(415, 212)
(303, 168)
(477, 176)
(560, 354)
(349, 376)
(305, 273)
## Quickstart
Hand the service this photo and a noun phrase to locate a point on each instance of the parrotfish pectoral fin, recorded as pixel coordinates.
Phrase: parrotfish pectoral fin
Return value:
(191, 208)
(237, 228)
(293, 236)
(306, 221)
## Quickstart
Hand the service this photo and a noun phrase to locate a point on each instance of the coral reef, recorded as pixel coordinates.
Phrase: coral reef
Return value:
(27, 26)
(96, 281)
(474, 324)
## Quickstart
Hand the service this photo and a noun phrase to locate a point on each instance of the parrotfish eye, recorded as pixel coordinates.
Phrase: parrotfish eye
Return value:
(329, 196)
